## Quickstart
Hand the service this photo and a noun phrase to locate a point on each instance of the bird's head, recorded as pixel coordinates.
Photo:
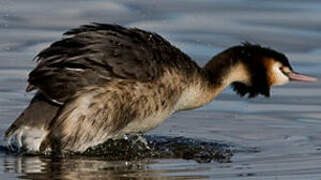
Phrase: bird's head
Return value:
(264, 68)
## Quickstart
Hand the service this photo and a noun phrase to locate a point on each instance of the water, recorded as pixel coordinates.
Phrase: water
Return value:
(284, 130)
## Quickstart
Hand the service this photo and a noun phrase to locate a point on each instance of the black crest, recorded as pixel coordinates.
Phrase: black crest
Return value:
(252, 57)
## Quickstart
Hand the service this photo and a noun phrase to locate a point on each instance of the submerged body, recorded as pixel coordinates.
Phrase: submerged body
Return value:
(105, 81)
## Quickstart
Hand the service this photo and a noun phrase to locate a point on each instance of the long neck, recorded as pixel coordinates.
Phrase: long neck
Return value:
(216, 75)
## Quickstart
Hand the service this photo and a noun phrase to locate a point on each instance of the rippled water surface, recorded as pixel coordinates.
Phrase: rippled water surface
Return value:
(284, 130)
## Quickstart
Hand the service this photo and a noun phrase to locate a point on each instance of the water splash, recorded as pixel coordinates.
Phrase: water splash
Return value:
(141, 147)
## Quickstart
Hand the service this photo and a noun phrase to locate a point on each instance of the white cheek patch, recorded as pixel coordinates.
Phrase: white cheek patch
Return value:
(279, 78)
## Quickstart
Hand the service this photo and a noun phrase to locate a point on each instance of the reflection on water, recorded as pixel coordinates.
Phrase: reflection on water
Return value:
(129, 157)
(283, 131)
(37, 167)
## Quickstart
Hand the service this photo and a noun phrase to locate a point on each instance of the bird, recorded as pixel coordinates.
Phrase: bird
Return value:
(105, 81)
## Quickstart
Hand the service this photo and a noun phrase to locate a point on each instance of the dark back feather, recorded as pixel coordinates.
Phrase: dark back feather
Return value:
(98, 53)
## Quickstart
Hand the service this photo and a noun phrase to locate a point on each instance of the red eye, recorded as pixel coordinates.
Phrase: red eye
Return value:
(284, 70)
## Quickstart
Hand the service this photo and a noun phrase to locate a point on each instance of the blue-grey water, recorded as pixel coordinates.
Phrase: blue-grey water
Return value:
(285, 129)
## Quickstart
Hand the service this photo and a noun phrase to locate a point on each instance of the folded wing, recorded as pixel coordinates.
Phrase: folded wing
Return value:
(95, 54)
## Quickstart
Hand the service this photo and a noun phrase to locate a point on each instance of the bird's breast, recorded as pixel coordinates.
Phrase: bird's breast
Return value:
(194, 96)
(147, 123)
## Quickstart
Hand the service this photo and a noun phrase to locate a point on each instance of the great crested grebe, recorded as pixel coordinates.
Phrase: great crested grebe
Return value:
(105, 81)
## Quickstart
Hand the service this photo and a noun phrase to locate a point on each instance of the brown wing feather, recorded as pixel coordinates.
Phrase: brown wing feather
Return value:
(98, 53)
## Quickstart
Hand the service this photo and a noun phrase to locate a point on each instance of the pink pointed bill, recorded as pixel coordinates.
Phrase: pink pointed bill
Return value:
(300, 77)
